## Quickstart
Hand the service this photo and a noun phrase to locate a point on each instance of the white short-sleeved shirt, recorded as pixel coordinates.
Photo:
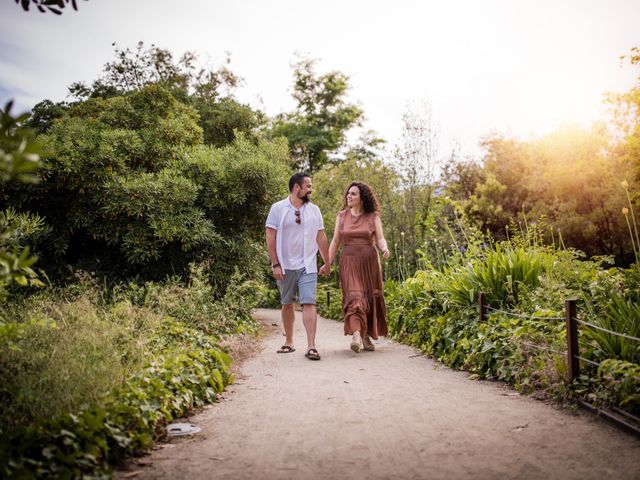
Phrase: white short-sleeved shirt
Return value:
(296, 244)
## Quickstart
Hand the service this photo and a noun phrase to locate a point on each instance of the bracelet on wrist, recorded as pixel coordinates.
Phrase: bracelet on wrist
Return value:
(275, 265)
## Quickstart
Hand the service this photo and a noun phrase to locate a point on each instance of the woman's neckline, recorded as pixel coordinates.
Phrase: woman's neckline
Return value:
(354, 215)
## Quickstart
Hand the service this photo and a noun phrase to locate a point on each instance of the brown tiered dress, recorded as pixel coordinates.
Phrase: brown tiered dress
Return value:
(363, 306)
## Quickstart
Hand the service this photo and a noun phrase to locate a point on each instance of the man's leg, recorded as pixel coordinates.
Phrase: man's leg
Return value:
(310, 321)
(307, 286)
(287, 287)
(288, 316)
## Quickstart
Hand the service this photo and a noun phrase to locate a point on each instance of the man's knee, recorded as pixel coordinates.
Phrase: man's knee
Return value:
(287, 307)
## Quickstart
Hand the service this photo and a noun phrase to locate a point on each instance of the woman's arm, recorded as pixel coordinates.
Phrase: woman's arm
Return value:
(335, 241)
(381, 243)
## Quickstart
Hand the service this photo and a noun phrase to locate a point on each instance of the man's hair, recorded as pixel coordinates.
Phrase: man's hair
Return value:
(297, 179)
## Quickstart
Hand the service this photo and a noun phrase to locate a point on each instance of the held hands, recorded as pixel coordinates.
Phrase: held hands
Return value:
(325, 270)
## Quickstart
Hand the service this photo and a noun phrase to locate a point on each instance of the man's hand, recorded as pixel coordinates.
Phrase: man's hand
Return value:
(325, 270)
(278, 273)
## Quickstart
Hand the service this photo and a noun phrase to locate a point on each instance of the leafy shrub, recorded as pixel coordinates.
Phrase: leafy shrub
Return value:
(127, 421)
(620, 384)
(195, 303)
(499, 274)
(333, 309)
(436, 311)
(267, 293)
(128, 184)
(88, 375)
(621, 316)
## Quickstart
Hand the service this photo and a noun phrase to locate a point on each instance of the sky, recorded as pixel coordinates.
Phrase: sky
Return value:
(520, 68)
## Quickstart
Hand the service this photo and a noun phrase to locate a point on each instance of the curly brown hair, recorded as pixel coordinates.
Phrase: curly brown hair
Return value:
(367, 197)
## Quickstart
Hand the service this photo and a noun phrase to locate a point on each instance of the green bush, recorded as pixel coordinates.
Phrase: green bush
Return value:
(128, 188)
(333, 309)
(88, 375)
(437, 311)
(124, 423)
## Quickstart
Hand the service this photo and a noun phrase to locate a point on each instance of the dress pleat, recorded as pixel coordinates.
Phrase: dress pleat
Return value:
(361, 277)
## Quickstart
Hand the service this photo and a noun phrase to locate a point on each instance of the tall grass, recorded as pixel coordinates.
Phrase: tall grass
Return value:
(498, 273)
(65, 348)
(622, 316)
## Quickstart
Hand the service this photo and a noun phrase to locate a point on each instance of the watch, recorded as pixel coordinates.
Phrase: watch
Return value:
(275, 265)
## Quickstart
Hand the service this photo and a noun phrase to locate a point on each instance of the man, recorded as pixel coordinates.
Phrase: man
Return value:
(295, 232)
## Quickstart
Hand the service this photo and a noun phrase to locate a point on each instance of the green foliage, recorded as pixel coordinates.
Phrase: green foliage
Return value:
(224, 119)
(19, 157)
(19, 152)
(322, 117)
(620, 315)
(625, 107)
(90, 375)
(620, 384)
(499, 275)
(220, 115)
(436, 310)
(267, 294)
(570, 179)
(126, 423)
(332, 309)
(129, 184)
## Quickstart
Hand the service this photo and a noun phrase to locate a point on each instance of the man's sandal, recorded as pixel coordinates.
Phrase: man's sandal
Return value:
(312, 354)
(286, 349)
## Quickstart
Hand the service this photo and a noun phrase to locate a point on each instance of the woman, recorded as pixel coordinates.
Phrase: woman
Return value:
(359, 229)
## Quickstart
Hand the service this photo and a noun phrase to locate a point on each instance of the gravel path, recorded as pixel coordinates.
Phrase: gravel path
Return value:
(381, 415)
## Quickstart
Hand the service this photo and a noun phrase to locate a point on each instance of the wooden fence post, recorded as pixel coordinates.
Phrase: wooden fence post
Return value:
(572, 339)
(481, 306)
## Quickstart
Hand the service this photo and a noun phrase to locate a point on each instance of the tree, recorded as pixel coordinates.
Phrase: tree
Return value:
(19, 158)
(416, 160)
(626, 112)
(569, 180)
(129, 187)
(318, 126)
(209, 91)
(461, 177)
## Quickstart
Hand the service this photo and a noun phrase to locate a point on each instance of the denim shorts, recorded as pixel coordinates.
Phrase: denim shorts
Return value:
(298, 286)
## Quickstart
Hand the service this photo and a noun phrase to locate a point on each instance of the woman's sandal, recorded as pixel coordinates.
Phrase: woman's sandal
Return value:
(368, 344)
(312, 354)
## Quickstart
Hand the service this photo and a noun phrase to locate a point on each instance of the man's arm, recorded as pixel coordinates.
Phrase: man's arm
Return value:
(323, 246)
(276, 268)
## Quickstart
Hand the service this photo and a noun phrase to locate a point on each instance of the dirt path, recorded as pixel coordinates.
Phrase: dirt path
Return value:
(381, 415)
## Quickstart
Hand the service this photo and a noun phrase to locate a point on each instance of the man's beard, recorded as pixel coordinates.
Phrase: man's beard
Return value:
(305, 198)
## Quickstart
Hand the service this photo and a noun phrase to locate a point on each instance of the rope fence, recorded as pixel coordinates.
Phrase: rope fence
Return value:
(627, 421)
(602, 329)
(519, 315)
(572, 321)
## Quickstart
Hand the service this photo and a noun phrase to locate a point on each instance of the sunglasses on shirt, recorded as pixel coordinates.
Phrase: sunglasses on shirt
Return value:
(298, 217)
